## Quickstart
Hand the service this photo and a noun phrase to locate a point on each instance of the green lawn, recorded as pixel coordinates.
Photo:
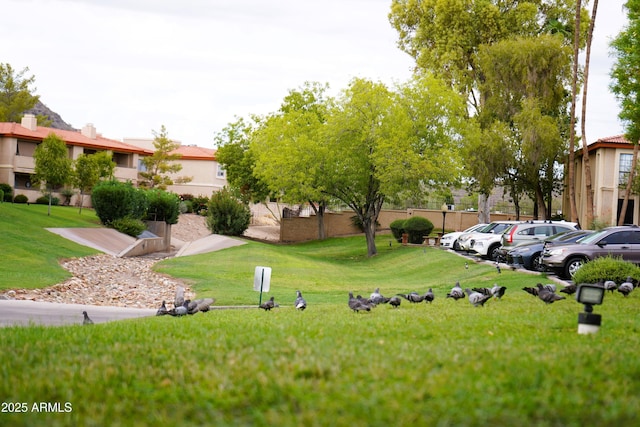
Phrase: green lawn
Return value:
(31, 254)
(513, 362)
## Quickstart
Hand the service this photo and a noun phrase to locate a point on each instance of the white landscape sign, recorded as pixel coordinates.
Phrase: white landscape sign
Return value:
(262, 279)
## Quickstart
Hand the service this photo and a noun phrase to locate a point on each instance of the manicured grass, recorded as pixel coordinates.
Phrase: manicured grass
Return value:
(31, 254)
(326, 271)
(513, 362)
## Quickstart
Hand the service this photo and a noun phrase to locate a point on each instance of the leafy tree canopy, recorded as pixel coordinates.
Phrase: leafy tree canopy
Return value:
(16, 93)
(162, 163)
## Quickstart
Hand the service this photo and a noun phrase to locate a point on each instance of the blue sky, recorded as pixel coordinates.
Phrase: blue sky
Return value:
(130, 66)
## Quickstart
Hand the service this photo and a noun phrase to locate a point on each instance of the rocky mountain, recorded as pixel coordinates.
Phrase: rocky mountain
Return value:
(56, 120)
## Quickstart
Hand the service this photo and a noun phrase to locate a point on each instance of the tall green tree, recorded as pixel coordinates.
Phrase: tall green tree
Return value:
(16, 93)
(382, 143)
(162, 163)
(625, 84)
(525, 88)
(446, 36)
(53, 166)
(239, 162)
(289, 154)
(89, 169)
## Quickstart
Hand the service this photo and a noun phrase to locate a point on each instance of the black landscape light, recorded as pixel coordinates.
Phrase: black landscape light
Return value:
(589, 295)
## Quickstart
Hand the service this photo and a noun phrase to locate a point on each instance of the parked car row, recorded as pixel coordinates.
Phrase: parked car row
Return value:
(496, 239)
(622, 241)
(556, 246)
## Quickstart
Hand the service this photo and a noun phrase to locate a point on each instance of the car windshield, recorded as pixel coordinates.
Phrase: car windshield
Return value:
(568, 235)
(591, 238)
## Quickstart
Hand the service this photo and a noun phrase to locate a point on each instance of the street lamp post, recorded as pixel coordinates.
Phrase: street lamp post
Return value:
(444, 209)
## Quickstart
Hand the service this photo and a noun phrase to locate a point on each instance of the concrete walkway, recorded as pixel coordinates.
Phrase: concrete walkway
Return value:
(25, 313)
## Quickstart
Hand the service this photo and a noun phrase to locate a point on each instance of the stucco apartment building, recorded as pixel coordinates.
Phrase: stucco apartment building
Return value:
(18, 142)
(610, 162)
(198, 163)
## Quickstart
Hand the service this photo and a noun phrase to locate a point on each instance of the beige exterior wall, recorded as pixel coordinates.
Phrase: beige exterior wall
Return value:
(605, 169)
(340, 224)
(204, 178)
(12, 164)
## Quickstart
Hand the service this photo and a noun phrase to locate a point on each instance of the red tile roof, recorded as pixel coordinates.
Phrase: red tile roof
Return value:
(192, 152)
(70, 137)
(616, 139)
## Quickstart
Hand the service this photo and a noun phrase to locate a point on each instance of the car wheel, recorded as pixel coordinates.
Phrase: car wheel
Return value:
(573, 265)
(536, 263)
(456, 245)
(494, 252)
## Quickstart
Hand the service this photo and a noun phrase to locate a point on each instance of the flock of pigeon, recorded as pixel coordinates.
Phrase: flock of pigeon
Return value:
(477, 297)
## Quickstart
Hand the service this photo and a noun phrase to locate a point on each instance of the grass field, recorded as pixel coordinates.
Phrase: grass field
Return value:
(30, 253)
(513, 362)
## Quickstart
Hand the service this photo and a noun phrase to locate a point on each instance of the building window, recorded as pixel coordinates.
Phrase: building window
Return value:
(220, 173)
(624, 168)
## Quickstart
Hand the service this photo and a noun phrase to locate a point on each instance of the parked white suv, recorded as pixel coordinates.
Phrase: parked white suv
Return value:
(486, 241)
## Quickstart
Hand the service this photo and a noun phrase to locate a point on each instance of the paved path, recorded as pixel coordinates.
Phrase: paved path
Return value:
(25, 313)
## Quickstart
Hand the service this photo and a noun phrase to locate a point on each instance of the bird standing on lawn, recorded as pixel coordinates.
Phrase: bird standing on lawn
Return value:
(476, 298)
(609, 285)
(300, 302)
(162, 310)
(395, 301)
(456, 292)
(569, 289)
(625, 288)
(376, 297)
(498, 291)
(413, 297)
(204, 304)
(429, 296)
(548, 296)
(357, 305)
(268, 305)
(181, 310)
(86, 320)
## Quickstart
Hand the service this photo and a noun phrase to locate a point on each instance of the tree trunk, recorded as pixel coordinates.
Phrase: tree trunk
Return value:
(483, 209)
(81, 202)
(370, 235)
(586, 166)
(572, 130)
(625, 201)
(319, 211)
(540, 203)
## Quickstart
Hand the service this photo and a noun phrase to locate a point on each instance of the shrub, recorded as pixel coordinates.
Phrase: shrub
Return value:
(606, 268)
(1, 195)
(44, 200)
(8, 192)
(162, 206)
(131, 226)
(186, 207)
(21, 198)
(113, 200)
(397, 228)
(417, 227)
(227, 215)
(200, 205)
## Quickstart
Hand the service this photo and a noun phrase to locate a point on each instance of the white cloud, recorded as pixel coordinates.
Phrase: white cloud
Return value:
(130, 66)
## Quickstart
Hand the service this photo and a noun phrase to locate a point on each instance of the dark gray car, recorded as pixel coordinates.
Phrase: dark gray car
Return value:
(623, 241)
